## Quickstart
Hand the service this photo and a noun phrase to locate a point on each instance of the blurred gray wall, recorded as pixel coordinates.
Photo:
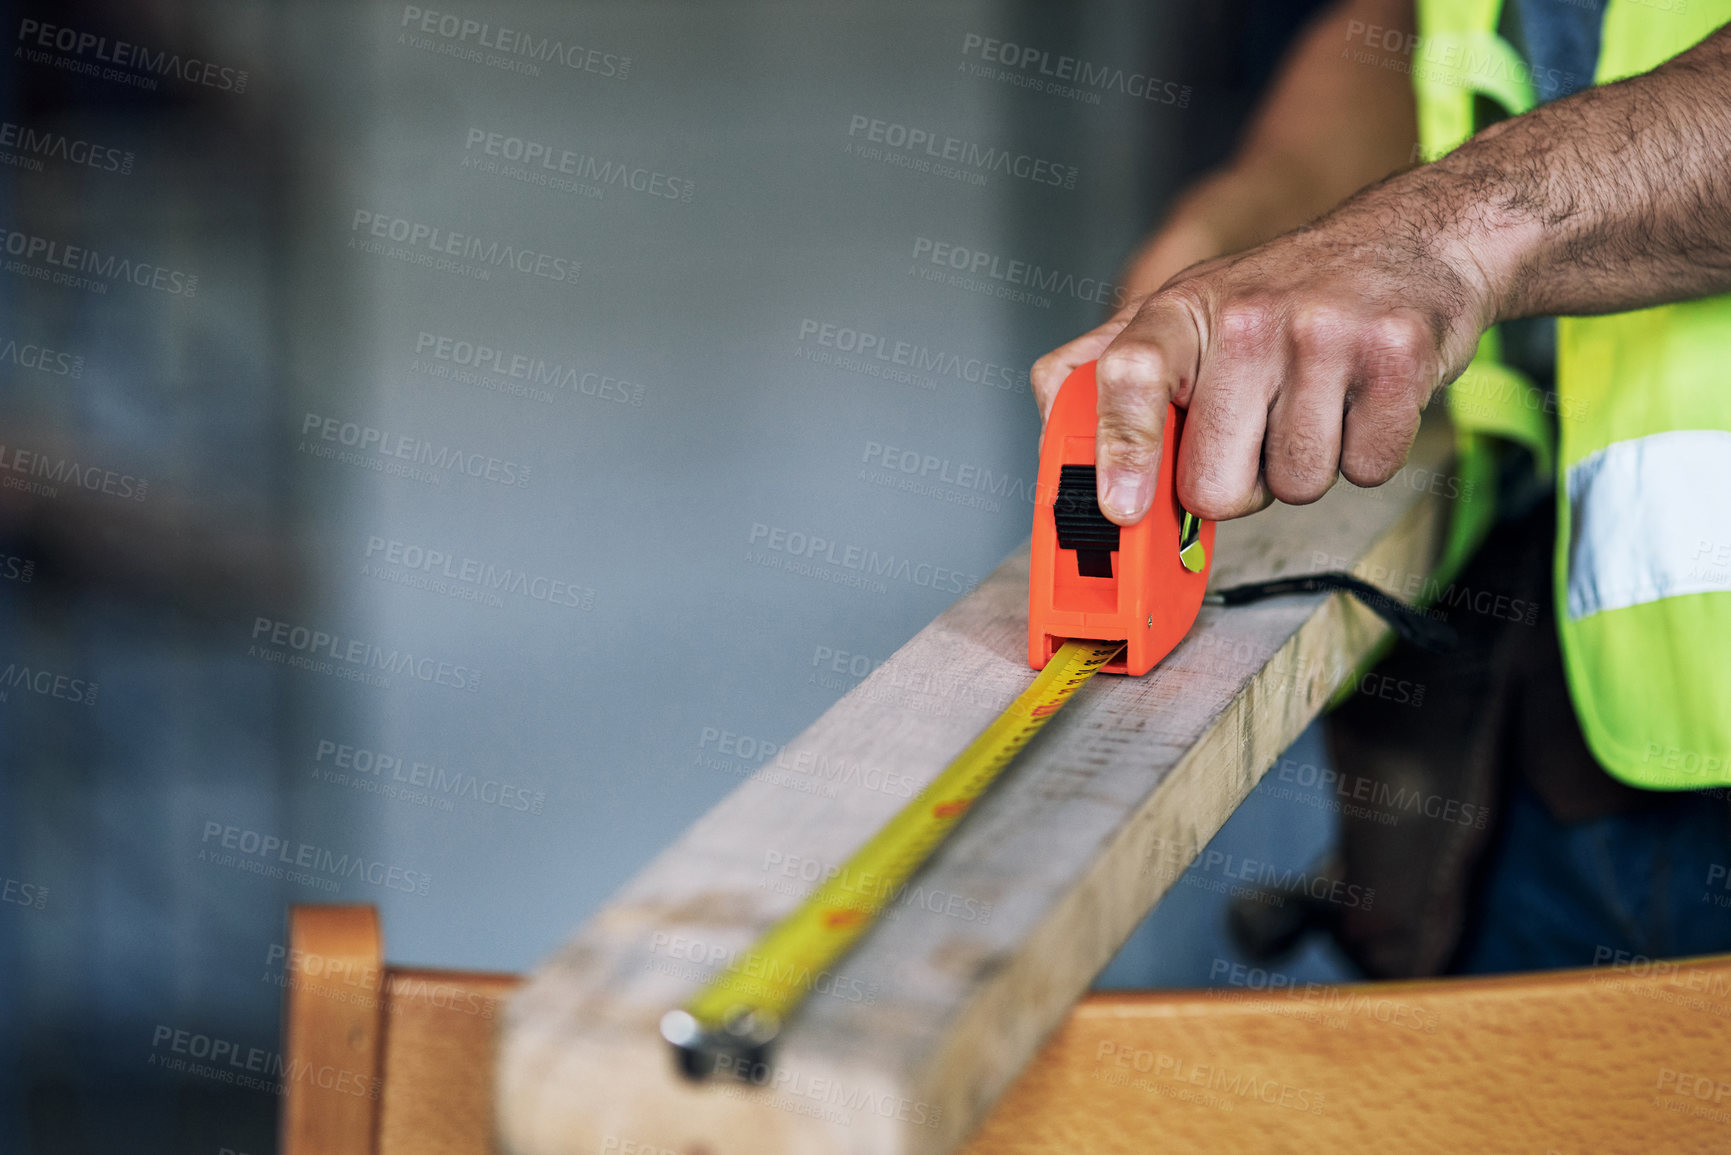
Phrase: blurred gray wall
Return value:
(532, 351)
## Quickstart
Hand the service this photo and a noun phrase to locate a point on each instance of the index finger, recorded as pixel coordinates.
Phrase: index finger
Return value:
(1052, 370)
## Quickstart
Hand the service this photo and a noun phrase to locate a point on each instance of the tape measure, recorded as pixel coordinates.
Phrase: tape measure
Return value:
(733, 1020)
(1137, 589)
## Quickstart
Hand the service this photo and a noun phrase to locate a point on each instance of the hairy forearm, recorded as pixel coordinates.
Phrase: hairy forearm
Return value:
(1616, 198)
(1312, 356)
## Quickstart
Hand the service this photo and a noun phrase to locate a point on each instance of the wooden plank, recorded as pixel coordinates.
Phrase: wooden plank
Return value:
(1624, 1059)
(907, 1046)
(331, 1037)
(440, 1032)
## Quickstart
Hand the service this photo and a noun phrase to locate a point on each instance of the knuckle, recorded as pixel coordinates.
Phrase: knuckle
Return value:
(1384, 388)
(1404, 329)
(1128, 447)
(1397, 351)
(1211, 499)
(1300, 465)
(1317, 331)
(1299, 488)
(1041, 379)
(1375, 455)
(1131, 366)
(1249, 324)
(1049, 366)
(1367, 472)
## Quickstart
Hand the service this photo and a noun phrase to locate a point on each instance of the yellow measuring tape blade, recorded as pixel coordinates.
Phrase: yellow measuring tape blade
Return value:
(743, 1007)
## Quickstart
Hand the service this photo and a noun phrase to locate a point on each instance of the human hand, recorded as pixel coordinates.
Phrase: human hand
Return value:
(1303, 359)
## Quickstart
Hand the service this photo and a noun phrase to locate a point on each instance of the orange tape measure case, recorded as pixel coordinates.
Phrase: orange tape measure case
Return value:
(1090, 578)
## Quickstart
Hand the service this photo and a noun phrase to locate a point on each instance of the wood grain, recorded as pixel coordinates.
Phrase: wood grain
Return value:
(1622, 1058)
(440, 1033)
(383, 1061)
(907, 1046)
(1614, 1059)
(332, 1038)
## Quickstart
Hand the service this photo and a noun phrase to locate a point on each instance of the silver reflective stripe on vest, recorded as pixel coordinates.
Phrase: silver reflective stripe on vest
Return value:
(1650, 519)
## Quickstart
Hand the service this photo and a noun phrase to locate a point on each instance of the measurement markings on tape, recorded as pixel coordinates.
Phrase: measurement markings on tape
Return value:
(741, 1011)
(1087, 574)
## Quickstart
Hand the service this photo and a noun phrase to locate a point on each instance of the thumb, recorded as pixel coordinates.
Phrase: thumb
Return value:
(1139, 373)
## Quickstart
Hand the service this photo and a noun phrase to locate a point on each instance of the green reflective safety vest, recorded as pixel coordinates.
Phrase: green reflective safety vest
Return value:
(1642, 452)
